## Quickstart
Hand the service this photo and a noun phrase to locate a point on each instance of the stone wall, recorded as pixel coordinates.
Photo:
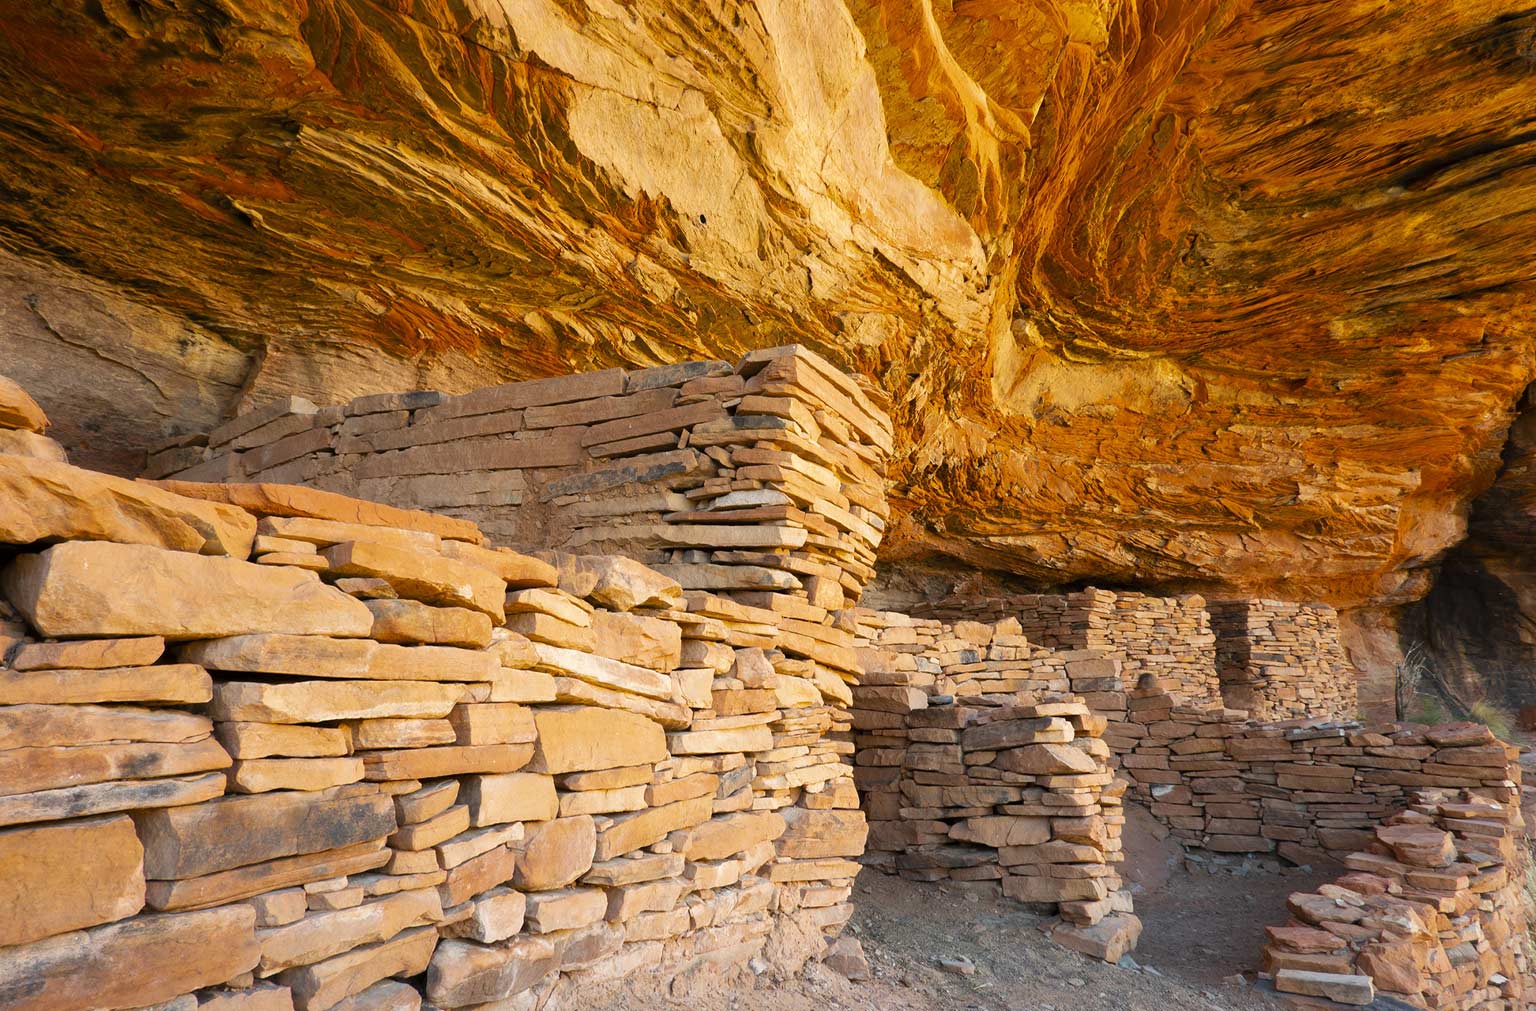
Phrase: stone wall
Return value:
(267, 746)
(1431, 913)
(1280, 660)
(1305, 789)
(1170, 636)
(979, 766)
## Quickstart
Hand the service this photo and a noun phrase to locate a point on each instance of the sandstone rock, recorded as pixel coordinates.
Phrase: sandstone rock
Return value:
(716, 742)
(321, 986)
(497, 916)
(88, 654)
(634, 869)
(319, 936)
(463, 973)
(296, 501)
(423, 835)
(566, 909)
(493, 723)
(254, 879)
(630, 832)
(510, 797)
(190, 841)
(68, 875)
(262, 775)
(555, 854)
(39, 727)
(385, 995)
(1419, 845)
(617, 582)
(43, 500)
(638, 639)
(449, 760)
(1047, 760)
(99, 589)
(601, 670)
(170, 683)
(100, 798)
(580, 738)
(517, 570)
(139, 961)
(1108, 940)
(328, 701)
(259, 997)
(845, 956)
(268, 740)
(1002, 830)
(15, 442)
(815, 835)
(1357, 990)
(33, 770)
(420, 576)
(476, 876)
(18, 410)
(723, 836)
(395, 732)
(410, 622)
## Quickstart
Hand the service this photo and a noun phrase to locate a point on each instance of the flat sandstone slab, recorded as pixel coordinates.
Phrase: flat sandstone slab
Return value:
(295, 500)
(68, 875)
(42, 500)
(93, 588)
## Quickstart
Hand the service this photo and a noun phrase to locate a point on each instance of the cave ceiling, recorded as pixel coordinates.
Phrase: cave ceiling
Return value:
(1212, 294)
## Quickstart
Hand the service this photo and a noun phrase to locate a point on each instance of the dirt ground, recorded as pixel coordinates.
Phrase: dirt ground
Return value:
(1200, 927)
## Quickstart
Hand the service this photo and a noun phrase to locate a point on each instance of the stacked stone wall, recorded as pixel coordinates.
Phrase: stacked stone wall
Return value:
(1305, 789)
(1281, 660)
(1431, 913)
(269, 746)
(979, 766)
(1168, 636)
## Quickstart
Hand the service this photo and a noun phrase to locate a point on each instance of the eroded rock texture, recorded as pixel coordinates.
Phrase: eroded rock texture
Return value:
(1214, 294)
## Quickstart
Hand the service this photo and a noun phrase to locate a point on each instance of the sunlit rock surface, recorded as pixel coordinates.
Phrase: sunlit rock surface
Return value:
(1186, 294)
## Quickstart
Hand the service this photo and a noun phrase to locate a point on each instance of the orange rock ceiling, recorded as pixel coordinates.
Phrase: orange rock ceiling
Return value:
(1228, 295)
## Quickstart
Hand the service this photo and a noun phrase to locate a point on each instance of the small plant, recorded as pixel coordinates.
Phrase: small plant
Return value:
(1494, 718)
(1411, 672)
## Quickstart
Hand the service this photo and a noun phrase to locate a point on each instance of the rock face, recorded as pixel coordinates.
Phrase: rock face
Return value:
(1158, 298)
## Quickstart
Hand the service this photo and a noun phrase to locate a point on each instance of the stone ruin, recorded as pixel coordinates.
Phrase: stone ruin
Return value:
(610, 707)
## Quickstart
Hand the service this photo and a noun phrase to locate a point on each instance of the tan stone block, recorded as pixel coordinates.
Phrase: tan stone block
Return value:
(510, 797)
(427, 834)
(410, 622)
(1047, 760)
(817, 834)
(522, 686)
(417, 575)
(1357, 990)
(716, 742)
(476, 876)
(88, 654)
(464, 973)
(517, 570)
(329, 701)
(285, 500)
(669, 715)
(46, 501)
(15, 442)
(565, 909)
(400, 733)
(452, 760)
(385, 995)
(538, 627)
(555, 853)
(701, 784)
(30, 726)
(552, 602)
(324, 533)
(638, 639)
(235, 831)
(725, 836)
(1002, 830)
(92, 588)
(169, 683)
(101, 798)
(616, 582)
(260, 775)
(602, 671)
(32, 770)
(275, 909)
(273, 740)
(630, 832)
(496, 916)
(634, 869)
(470, 844)
(322, 935)
(584, 738)
(629, 798)
(427, 802)
(322, 657)
(321, 986)
(68, 875)
(493, 723)
(609, 779)
(134, 963)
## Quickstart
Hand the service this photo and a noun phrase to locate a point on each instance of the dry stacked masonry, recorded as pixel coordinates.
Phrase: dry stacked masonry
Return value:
(267, 746)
